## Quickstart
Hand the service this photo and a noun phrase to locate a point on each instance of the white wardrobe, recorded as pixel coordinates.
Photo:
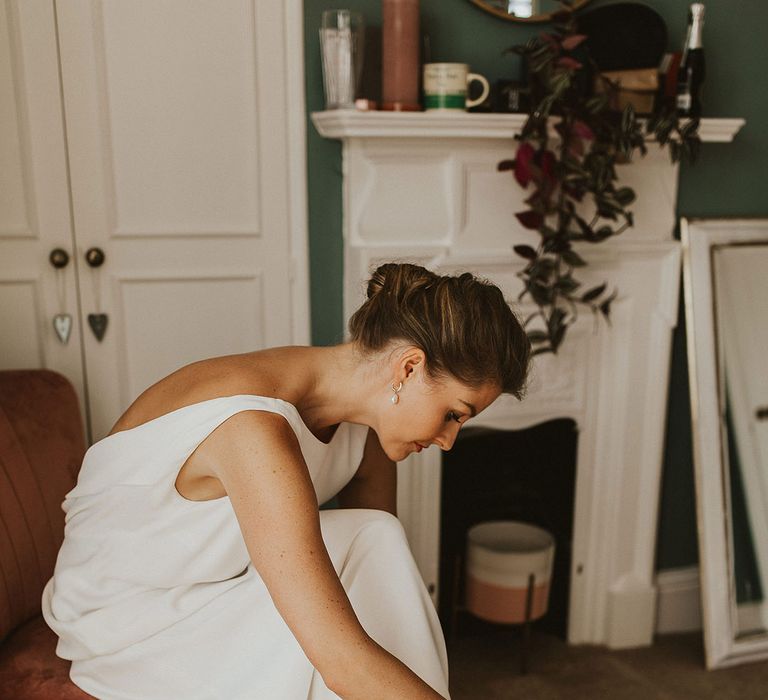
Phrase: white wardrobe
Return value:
(158, 147)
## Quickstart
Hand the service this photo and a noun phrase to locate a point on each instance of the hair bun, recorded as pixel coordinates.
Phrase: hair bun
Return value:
(399, 280)
(378, 280)
(462, 323)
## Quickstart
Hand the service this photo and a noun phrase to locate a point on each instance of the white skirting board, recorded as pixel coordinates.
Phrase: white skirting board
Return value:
(679, 600)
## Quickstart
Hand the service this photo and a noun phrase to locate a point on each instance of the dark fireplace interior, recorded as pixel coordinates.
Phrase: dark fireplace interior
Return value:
(527, 475)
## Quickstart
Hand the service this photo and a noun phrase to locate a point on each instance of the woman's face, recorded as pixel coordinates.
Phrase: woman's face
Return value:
(430, 412)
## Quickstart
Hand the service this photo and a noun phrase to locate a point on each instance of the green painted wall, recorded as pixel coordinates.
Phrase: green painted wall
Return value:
(726, 181)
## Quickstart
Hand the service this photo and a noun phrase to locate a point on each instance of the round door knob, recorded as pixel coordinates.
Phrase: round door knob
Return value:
(59, 258)
(95, 257)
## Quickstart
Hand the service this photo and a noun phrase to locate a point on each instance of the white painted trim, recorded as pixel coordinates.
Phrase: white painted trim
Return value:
(296, 111)
(679, 603)
(342, 124)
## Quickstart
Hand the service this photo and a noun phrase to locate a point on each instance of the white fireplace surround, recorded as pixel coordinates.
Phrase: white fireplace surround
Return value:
(424, 187)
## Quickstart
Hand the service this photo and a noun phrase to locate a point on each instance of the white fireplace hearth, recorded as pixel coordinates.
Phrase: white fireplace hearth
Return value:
(425, 188)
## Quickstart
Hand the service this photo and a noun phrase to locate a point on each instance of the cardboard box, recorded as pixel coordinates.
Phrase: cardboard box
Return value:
(635, 87)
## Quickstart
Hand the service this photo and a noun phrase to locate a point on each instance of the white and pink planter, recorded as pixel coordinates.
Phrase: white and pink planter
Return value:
(501, 556)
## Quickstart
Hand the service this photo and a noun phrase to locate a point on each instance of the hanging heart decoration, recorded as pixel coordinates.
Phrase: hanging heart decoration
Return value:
(98, 324)
(62, 324)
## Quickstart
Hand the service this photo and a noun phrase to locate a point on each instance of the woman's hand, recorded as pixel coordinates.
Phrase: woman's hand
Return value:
(256, 457)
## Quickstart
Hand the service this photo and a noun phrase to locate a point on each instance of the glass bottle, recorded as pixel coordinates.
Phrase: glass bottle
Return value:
(690, 75)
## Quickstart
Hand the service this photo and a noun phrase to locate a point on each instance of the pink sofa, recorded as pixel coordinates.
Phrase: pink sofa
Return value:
(41, 448)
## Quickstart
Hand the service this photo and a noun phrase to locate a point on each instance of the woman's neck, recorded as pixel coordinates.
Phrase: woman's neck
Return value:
(343, 383)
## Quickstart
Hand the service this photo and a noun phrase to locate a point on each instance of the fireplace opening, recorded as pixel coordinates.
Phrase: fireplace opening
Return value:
(525, 475)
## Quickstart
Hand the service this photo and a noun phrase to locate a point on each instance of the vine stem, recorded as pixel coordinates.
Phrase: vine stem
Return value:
(621, 229)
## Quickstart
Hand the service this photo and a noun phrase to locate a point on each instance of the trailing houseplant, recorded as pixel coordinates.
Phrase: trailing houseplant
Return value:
(567, 155)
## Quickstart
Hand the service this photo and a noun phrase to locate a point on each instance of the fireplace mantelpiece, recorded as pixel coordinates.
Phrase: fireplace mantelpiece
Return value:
(425, 188)
(347, 124)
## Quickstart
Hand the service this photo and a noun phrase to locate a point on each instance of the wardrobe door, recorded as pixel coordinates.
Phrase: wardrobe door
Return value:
(34, 199)
(176, 120)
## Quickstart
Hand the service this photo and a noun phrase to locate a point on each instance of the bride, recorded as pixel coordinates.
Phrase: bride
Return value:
(196, 563)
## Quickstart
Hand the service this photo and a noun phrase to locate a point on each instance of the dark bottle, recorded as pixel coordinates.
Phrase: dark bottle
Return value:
(690, 75)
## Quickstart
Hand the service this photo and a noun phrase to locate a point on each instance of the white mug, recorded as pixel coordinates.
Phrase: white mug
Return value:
(445, 86)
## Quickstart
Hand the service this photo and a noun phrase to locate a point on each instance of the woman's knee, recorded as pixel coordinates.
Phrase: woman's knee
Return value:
(364, 522)
(383, 527)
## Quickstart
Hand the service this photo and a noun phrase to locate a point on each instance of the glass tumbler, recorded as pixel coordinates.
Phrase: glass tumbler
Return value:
(341, 48)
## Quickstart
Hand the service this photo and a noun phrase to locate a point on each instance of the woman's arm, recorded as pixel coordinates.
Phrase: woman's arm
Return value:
(374, 485)
(257, 458)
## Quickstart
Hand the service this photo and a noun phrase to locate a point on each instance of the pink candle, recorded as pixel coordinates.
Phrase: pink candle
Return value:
(400, 54)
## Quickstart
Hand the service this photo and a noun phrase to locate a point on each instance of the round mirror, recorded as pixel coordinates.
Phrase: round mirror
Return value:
(524, 10)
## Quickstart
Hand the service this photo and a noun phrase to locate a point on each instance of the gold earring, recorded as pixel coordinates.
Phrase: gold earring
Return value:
(396, 396)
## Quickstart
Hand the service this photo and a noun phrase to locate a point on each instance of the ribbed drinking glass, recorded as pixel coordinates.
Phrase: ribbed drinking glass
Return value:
(341, 47)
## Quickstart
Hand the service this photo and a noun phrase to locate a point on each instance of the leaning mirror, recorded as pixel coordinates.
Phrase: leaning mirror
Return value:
(524, 10)
(726, 297)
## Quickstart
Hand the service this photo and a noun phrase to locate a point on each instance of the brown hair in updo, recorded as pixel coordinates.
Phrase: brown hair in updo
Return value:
(463, 324)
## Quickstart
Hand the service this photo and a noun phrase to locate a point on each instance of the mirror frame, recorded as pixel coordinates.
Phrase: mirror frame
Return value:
(709, 458)
(543, 17)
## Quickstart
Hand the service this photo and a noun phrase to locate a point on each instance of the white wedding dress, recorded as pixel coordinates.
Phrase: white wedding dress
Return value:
(154, 596)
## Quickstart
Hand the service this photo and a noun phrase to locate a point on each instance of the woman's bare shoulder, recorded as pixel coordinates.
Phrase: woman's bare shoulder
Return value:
(262, 373)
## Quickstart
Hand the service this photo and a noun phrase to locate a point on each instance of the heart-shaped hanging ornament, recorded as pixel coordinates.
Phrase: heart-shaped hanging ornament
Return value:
(62, 324)
(98, 324)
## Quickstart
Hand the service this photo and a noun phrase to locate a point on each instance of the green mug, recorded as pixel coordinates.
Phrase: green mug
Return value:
(445, 87)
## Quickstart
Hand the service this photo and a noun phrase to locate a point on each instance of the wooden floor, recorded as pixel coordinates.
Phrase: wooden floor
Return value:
(484, 665)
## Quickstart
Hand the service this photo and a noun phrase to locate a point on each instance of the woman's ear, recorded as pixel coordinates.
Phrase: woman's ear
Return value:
(412, 362)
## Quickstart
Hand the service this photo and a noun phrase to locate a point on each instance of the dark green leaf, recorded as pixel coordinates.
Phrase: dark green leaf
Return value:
(597, 104)
(568, 285)
(689, 128)
(525, 251)
(693, 149)
(537, 336)
(586, 229)
(593, 293)
(558, 336)
(607, 213)
(605, 307)
(625, 196)
(530, 219)
(557, 245)
(555, 320)
(573, 258)
(541, 350)
(541, 295)
(627, 118)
